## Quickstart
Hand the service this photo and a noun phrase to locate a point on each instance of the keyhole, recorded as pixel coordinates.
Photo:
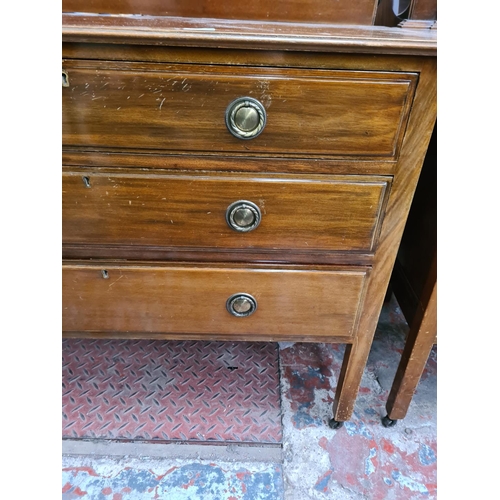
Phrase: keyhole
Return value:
(86, 181)
(65, 79)
(105, 274)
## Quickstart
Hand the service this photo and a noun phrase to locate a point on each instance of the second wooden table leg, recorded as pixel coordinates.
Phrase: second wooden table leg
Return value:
(421, 338)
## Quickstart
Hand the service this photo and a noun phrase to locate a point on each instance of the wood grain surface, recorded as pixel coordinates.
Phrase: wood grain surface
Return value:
(406, 176)
(423, 9)
(153, 106)
(182, 162)
(418, 345)
(360, 97)
(171, 32)
(415, 273)
(299, 213)
(341, 11)
(191, 300)
(414, 283)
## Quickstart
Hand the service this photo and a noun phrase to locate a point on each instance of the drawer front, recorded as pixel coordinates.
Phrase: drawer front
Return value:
(183, 108)
(181, 300)
(322, 213)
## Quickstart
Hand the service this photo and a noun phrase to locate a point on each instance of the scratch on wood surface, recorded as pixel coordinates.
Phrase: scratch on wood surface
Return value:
(111, 284)
(161, 104)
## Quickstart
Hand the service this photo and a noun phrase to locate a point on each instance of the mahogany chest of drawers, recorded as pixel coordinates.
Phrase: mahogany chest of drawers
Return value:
(234, 180)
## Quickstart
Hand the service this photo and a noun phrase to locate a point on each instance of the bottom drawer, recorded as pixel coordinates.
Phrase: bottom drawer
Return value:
(209, 302)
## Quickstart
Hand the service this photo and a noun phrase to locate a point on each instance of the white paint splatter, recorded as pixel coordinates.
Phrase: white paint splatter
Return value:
(369, 467)
(409, 483)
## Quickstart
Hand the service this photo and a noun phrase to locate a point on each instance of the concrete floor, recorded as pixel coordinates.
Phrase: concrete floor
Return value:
(362, 460)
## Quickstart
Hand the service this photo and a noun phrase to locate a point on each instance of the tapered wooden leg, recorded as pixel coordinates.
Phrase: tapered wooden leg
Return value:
(421, 338)
(421, 125)
(349, 380)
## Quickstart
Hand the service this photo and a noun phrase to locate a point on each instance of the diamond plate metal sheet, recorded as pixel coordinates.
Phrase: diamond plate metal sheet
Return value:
(171, 391)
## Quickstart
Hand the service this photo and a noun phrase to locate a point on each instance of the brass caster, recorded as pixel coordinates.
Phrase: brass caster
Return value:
(334, 424)
(388, 422)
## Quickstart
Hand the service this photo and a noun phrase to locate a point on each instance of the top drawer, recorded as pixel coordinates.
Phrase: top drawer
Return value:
(155, 107)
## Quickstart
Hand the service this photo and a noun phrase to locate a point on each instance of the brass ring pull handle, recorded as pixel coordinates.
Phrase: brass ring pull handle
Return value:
(241, 305)
(245, 118)
(243, 216)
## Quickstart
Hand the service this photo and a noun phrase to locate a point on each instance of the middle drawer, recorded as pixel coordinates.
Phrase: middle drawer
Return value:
(235, 212)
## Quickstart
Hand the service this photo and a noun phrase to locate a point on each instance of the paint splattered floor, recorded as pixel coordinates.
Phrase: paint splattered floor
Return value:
(362, 460)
